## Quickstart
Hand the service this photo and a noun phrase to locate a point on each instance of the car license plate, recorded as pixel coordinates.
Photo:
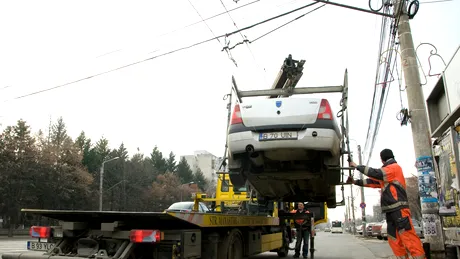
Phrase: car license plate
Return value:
(39, 246)
(267, 136)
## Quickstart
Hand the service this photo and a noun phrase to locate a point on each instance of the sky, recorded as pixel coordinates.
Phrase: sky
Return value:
(175, 101)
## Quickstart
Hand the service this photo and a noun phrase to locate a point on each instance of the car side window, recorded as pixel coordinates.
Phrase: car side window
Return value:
(203, 208)
(225, 186)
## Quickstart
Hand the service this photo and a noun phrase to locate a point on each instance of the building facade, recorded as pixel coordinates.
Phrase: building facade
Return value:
(205, 161)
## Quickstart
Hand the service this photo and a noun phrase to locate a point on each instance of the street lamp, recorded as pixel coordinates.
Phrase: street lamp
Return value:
(101, 175)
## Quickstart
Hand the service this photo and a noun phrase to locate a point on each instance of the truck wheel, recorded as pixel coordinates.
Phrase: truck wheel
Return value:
(284, 251)
(231, 246)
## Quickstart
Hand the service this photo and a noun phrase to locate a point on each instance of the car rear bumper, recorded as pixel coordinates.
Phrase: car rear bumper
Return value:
(326, 140)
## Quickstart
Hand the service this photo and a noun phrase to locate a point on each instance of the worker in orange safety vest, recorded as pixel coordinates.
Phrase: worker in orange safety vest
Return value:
(303, 228)
(394, 203)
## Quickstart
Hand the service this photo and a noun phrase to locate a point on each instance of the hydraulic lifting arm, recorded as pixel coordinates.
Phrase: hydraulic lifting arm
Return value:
(289, 75)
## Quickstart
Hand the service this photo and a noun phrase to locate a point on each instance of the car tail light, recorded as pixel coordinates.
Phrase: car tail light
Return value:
(325, 111)
(236, 116)
(40, 232)
(145, 236)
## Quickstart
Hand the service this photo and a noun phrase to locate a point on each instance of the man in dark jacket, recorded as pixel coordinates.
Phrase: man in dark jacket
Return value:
(394, 203)
(303, 228)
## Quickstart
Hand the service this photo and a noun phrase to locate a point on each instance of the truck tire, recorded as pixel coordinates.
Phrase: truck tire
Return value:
(284, 251)
(231, 246)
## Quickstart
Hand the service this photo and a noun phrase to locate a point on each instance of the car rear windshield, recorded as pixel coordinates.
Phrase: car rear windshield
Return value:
(181, 206)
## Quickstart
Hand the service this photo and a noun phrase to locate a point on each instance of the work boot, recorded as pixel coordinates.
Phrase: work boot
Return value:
(296, 256)
(305, 256)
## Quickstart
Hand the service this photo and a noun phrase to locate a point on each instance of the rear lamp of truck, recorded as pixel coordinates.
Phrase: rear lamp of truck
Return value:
(40, 232)
(145, 236)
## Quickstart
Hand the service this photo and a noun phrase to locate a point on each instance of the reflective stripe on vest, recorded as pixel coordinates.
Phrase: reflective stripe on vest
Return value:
(388, 200)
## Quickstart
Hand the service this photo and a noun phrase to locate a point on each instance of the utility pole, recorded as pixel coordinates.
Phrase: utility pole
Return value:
(348, 212)
(353, 210)
(420, 128)
(363, 210)
(101, 179)
(124, 188)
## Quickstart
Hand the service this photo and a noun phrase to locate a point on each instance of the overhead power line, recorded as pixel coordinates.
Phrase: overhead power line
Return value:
(207, 25)
(273, 30)
(166, 53)
(209, 18)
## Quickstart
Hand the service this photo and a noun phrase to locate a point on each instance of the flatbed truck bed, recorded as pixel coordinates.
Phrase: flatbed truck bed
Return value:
(158, 235)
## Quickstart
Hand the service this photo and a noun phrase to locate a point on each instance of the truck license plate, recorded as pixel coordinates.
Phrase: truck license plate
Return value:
(39, 246)
(267, 136)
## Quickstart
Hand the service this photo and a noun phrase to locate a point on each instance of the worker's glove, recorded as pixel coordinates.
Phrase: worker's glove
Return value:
(350, 180)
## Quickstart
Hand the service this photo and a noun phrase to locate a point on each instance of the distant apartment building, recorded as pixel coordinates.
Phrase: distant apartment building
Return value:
(207, 162)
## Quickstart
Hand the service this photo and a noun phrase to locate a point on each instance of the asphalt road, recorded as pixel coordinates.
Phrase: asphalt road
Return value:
(16, 244)
(343, 246)
(328, 246)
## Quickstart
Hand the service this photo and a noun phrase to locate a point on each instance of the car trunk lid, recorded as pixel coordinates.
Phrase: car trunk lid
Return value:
(280, 111)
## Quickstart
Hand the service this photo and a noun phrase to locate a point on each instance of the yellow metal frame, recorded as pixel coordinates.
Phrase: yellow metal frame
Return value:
(224, 220)
(229, 197)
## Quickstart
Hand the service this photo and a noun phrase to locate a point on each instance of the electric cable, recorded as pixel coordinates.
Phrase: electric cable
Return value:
(164, 54)
(213, 34)
(206, 19)
(281, 26)
(376, 117)
(273, 30)
(242, 36)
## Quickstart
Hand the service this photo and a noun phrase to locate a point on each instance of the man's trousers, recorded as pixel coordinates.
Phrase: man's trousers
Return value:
(302, 234)
(402, 237)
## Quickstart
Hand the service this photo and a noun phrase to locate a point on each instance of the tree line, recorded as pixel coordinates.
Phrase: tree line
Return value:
(50, 170)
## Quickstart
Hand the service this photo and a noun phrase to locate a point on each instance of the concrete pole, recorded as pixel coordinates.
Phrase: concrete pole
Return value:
(420, 128)
(101, 179)
(348, 212)
(353, 210)
(363, 210)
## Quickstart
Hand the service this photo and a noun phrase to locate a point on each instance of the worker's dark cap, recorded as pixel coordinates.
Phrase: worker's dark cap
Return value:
(386, 154)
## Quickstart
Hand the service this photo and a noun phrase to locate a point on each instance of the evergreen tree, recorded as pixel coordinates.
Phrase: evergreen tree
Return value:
(200, 179)
(184, 172)
(102, 149)
(171, 165)
(158, 162)
(80, 141)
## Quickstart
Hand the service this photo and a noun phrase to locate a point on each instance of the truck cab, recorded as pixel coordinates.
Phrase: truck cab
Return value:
(226, 191)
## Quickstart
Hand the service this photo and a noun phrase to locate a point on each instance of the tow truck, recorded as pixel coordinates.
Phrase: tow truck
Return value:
(218, 234)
